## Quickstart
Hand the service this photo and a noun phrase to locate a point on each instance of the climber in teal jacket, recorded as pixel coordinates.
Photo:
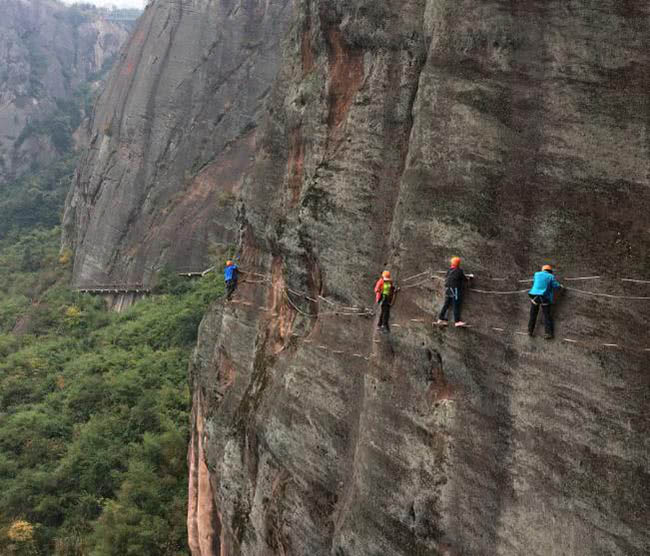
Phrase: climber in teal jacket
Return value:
(542, 294)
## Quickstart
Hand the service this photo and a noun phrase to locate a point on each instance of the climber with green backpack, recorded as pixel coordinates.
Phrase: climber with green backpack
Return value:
(384, 295)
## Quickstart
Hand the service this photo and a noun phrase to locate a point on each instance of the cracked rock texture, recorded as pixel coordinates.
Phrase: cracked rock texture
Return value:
(172, 137)
(329, 140)
(47, 50)
(398, 134)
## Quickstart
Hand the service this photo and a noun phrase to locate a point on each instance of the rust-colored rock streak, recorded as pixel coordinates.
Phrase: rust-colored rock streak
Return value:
(307, 53)
(169, 136)
(203, 522)
(295, 165)
(210, 196)
(511, 133)
(283, 314)
(345, 76)
(508, 133)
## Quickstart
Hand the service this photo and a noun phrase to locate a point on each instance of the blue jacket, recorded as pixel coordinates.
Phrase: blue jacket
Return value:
(544, 283)
(231, 272)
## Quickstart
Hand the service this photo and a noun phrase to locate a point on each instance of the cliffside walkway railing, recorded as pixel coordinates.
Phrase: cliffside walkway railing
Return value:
(135, 288)
(128, 19)
(114, 289)
(424, 282)
(194, 273)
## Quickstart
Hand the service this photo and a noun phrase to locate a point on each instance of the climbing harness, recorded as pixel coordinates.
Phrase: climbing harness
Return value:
(539, 300)
(341, 310)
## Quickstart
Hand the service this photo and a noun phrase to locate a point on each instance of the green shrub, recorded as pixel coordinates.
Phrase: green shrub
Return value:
(94, 407)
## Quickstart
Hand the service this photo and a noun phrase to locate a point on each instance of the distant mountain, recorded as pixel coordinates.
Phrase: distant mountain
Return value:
(52, 57)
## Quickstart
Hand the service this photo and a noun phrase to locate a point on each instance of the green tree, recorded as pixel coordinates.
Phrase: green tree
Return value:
(93, 408)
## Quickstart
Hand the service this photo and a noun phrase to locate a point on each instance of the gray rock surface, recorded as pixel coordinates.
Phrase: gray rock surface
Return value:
(395, 135)
(171, 139)
(47, 50)
(398, 134)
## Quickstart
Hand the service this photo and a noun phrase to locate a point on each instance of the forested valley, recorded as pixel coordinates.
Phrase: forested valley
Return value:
(94, 405)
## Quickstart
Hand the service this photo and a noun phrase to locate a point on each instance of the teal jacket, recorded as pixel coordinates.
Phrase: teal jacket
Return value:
(544, 284)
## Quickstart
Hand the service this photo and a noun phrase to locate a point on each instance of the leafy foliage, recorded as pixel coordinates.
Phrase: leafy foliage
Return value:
(93, 409)
(36, 199)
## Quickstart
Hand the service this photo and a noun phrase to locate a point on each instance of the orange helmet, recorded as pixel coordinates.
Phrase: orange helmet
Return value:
(386, 274)
(548, 267)
(228, 263)
(455, 262)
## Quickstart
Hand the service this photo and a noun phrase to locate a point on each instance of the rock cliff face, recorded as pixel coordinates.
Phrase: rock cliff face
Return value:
(397, 134)
(47, 50)
(172, 137)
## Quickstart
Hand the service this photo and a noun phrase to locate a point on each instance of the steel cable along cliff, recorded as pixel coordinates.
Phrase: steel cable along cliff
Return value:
(328, 140)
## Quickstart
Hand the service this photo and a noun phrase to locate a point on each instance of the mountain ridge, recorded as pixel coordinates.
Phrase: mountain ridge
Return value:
(54, 57)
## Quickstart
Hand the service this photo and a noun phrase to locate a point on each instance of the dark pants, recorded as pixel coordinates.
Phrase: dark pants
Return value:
(384, 316)
(231, 286)
(537, 301)
(452, 297)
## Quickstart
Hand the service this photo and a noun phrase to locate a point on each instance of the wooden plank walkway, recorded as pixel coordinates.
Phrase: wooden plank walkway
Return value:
(135, 288)
(114, 288)
(194, 273)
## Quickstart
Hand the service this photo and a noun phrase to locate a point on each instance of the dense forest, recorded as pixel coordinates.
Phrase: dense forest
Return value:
(93, 409)
(94, 405)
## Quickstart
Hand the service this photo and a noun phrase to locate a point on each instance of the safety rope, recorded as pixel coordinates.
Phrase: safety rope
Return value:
(432, 275)
(581, 278)
(255, 274)
(302, 294)
(477, 290)
(497, 292)
(428, 271)
(582, 292)
(367, 313)
(595, 345)
(609, 295)
(356, 312)
(298, 309)
(517, 292)
(419, 284)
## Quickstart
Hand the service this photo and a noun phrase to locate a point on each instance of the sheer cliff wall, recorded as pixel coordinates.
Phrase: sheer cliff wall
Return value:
(172, 136)
(398, 134)
(329, 140)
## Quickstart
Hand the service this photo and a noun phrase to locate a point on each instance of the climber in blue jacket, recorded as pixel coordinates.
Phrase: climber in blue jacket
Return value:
(541, 294)
(230, 276)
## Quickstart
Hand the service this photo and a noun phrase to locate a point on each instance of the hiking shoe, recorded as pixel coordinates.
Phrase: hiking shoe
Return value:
(441, 322)
(531, 333)
(548, 336)
(460, 324)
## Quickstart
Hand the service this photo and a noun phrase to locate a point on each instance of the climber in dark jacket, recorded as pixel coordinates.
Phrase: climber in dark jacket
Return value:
(541, 295)
(230, 276)
(454, 283)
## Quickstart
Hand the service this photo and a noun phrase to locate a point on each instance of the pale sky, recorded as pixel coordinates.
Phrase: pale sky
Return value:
(107, 3)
